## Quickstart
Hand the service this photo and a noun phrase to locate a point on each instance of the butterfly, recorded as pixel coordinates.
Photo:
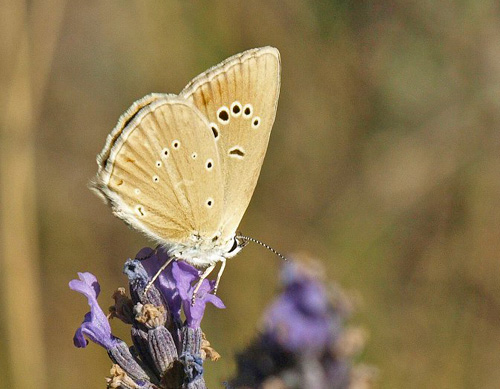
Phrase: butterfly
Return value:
(182, 168)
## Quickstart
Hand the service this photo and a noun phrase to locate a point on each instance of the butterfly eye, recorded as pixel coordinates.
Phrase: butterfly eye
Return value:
(247, 111)
(256, 122)
(223, 115)
(236, 109)
(234, 247)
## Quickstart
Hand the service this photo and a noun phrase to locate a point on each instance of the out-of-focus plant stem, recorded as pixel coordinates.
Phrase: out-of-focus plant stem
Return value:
(31, 33)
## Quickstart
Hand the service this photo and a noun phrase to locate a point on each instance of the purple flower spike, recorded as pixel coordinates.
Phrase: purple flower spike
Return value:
(176, 282)
(95, 325)
(184, 276)
(301, 319)
(152, 260)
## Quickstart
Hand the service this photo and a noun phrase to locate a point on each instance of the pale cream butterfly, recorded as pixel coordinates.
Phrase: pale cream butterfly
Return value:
(182, 168)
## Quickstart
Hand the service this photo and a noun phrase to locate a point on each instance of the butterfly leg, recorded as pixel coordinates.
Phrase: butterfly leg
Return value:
(205, 274)
(219, 275)
(151, 282)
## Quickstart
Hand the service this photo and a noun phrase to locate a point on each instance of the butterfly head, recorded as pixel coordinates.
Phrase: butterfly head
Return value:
(238, 244)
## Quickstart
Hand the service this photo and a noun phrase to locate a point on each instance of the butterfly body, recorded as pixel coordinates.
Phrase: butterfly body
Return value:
(203, 252)
(182, 168)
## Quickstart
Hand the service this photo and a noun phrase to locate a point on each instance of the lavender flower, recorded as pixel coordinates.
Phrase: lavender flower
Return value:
(96, 327)
(95, 323)
(303, 342)
(167, 353)
(184, 276)
(152, 260)
(301, 319)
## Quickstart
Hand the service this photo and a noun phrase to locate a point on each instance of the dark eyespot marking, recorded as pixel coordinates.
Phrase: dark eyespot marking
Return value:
(247, 111)
(209, 203)
(236, 109)
(210, 164)
(158, 163)
(236, 152)
(223, 115)
(156, 178)
(256, 122)
(140, 210)
(215, 130)
(165, 152)
(176, 144)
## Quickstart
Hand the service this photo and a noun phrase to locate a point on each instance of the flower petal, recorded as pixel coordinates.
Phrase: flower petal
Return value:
(215, 300)
(95, 325)
(87, 285)
(165, 283)
(184, 275)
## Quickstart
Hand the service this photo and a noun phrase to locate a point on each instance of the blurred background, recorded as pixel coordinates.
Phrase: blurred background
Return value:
(384, 163)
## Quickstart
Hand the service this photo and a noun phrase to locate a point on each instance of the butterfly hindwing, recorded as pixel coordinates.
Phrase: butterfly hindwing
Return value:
(160, 171)
(239, 97)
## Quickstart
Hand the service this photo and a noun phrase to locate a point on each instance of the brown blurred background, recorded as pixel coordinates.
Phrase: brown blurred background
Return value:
(384, 162)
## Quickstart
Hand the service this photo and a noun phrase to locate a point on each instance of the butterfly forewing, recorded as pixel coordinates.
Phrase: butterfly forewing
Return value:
(161, 172)
(239, 98)
(122, 122)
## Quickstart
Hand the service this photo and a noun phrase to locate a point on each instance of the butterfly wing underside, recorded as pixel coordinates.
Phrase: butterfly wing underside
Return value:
(159, 171)
(239, 97)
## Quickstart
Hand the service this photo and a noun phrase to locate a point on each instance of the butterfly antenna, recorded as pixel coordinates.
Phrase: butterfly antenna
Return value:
(249, 239)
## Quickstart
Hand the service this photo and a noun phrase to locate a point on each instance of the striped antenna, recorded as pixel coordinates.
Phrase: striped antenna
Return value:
(249, 239)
